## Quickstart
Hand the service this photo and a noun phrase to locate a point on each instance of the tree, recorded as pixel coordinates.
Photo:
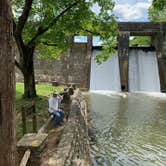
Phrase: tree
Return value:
(7, 87)
(45, 25)
(157, 11)
(141, 41)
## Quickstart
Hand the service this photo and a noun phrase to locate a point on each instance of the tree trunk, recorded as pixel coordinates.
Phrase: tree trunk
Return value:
(29, 85)
(28, 73)
(7, 88)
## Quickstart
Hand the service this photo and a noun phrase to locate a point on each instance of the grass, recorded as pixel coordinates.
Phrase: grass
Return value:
(44, 91)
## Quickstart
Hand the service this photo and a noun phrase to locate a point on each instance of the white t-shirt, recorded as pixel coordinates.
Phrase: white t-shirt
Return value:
(54, 103)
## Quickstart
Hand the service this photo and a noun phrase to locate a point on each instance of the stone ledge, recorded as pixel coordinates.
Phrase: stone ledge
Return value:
(74, 148)
(36, 144)
(32, 140)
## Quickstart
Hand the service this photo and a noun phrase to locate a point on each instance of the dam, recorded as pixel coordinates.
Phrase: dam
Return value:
(75, 67)
(143, 73)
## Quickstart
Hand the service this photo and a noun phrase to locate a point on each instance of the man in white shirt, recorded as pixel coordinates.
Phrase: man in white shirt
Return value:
(54, 107)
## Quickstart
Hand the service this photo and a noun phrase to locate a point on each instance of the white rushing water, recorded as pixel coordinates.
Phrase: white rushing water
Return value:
(143, 71)
(105, 76)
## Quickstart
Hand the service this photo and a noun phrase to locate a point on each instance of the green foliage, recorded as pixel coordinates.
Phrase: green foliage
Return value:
(157, 11)
(159, 4)
(49, 52)
(108, 50)
(79, 19)
(140, 41)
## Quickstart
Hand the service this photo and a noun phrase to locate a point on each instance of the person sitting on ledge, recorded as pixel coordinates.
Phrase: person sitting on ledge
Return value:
(54, 109)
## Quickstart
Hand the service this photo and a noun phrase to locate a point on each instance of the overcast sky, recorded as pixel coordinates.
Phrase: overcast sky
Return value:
(132, 10)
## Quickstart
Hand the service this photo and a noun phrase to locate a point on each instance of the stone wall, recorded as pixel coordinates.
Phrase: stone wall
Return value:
(73, 67)
(74, 148)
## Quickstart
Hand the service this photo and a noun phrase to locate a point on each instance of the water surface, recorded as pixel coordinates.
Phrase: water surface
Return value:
(130, 129)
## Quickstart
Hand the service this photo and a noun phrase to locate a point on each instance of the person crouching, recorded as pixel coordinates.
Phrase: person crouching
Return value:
(54, 109)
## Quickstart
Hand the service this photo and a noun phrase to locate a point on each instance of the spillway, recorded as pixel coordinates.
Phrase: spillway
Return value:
(106, 75)
(143, 70)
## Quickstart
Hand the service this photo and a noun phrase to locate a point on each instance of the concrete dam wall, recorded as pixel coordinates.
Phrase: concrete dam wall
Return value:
(76, 67)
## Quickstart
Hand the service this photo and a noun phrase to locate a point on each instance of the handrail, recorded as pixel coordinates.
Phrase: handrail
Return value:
(25, 157)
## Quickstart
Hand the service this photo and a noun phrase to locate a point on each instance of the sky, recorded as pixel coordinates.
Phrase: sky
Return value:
(125, 10)
(132, 10)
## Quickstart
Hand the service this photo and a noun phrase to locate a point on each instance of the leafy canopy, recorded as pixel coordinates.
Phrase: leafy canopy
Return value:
(157, 11)
(60, 19)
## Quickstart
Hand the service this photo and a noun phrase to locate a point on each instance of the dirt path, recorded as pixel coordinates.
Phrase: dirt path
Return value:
(53, 140)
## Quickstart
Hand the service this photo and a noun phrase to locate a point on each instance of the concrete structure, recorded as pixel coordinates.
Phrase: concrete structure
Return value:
(157, 31)
(76, 67)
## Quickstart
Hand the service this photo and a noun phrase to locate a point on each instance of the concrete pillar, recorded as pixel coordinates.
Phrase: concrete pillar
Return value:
(123, 44)
(163, 51)
(162, 73)
(88, 59)
(159, 42)
(123, 51)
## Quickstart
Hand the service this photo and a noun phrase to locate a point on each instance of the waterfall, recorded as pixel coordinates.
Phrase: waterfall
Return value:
(143, 70)
(106, 75)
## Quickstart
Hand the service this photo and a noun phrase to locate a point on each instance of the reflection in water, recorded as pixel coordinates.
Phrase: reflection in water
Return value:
(130, 129)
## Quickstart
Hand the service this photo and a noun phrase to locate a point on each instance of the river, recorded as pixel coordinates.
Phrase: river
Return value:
(130, 128)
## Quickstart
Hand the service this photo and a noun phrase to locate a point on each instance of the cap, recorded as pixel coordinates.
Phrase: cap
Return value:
(55, 92)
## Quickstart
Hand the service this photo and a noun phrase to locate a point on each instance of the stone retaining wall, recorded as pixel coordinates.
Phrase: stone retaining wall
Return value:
(74, 148)
(72, 67)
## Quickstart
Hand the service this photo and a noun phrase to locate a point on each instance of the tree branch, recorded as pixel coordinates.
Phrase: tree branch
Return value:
(20, 44)
(42, 30)
(14, 25)
(91, 32)
(49, 44)
(23, 18)
(18, 65)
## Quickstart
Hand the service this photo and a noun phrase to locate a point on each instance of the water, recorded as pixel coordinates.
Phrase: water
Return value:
(143, 71)
(130, 129)
(105, 76)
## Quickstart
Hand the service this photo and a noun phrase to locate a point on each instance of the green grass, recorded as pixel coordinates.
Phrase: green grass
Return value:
(44, 91)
